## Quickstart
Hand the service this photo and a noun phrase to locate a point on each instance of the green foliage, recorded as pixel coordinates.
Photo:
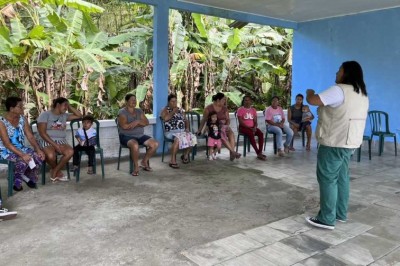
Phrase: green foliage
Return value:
(97, 51)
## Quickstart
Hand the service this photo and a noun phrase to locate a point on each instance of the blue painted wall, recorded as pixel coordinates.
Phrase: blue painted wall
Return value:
(372, 39)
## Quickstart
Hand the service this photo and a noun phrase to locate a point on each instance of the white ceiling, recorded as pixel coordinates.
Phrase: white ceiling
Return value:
(299, 10)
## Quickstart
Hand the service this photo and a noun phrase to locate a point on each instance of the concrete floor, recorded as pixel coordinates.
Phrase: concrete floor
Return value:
(246, 212)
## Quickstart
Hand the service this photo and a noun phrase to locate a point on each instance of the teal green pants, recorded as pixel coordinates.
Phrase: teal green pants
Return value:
(334, 183)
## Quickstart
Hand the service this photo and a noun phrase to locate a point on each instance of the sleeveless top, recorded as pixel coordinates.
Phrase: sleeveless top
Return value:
(16, 136)
(177, 122)
(133, 132)
(297, 114)
(221, 114)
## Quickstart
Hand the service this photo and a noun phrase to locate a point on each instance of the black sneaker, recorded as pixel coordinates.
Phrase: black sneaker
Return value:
(31, 184)
(315, 222)
(17, 188)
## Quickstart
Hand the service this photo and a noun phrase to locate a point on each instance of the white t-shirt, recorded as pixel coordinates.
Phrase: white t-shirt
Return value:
(333, 96)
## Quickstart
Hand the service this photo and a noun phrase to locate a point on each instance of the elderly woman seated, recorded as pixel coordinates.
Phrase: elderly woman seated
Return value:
(13, 129)
(275, 119)
(175, 124)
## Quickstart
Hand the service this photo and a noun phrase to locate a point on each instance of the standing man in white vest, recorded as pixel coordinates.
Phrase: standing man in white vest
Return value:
(342, 113)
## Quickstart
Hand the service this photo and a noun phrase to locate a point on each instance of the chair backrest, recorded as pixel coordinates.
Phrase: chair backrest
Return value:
(237, 121)
(35, 133)
(162, 125)
(76, 123)
(194, 121)
(379, 121)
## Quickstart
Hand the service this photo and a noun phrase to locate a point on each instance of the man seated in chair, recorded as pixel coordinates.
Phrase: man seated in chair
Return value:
(131, 121)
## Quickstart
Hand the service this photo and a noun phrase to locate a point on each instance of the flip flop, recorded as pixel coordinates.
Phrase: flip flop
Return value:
(146, 168)
(185, 161)
(174, 165)
(135, 173)
(262, 157)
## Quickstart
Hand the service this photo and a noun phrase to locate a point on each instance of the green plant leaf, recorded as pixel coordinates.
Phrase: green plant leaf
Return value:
(49, 61)
(75, 19)
(235, 96)
(99, 40)
(234, 39)
(141, 92)
(57, 22)
(77, 4)
(37, 32)
(18, 30)
(88, 25)
(88, 59)
(106, 56)
(198, 21)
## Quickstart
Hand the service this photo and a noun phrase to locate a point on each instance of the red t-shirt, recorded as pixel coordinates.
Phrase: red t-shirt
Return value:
(248, 115)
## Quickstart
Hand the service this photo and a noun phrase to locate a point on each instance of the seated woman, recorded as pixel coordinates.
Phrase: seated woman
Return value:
(13, 129)
(131, 122)
(295, 115)
(247, 117)
(174, 124)
(227, 135)
(275, 119)
(52, 130)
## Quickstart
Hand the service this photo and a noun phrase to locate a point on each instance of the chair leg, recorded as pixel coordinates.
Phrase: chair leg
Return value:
(237, 143)
(275, 145)
(102, 164)
(68, 174)
(359, 154)
(395, 146)
(193, 151)
(44, 173)
(303, 136)
(163, 149)
(94, 164)
(78, 173)
(248, 145)
(265, 139)
(244, 146)
(10, 178)
(119, 156)
(380, 145)
(369, 148)
(130, 163)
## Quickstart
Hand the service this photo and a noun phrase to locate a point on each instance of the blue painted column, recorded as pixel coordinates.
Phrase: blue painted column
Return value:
(161, 65)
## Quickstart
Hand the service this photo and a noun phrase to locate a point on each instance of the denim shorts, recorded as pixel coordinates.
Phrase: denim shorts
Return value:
(123, 139)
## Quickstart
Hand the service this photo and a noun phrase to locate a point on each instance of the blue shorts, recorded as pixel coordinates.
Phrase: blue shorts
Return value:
(123, 139)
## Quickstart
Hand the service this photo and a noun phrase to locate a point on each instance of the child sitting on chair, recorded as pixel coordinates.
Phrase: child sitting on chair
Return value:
(86, 136)
(214, 135)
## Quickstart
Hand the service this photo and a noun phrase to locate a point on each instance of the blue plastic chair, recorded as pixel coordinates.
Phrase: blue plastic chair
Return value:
(367, 138)
(10, 175)
(379, 121)
(194, 125)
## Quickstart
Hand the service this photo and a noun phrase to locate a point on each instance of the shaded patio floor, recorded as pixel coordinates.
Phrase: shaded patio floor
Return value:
(246, 212)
